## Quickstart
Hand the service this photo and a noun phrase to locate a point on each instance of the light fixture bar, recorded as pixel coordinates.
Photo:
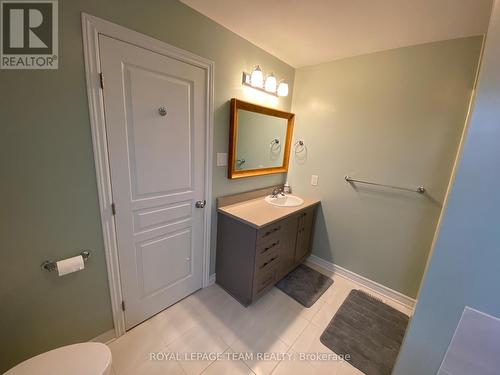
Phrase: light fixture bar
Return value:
(245, 80)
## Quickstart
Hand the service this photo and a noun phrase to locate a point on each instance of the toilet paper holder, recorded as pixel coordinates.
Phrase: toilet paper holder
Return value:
(50, 265)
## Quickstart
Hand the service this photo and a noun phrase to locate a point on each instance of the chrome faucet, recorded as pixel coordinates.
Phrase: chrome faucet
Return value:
(278, 190)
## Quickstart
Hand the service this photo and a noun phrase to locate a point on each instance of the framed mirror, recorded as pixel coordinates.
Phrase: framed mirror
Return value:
(259, 140)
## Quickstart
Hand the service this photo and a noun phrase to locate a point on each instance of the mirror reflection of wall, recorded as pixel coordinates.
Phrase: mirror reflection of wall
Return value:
(260, 141)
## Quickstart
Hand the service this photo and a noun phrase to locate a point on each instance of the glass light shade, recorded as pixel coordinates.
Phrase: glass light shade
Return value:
(270, 85)
(257, 78)
(283, 89)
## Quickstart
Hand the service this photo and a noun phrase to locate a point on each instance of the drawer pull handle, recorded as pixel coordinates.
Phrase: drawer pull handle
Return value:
(268, 262)
(269, 247)
(271, 231)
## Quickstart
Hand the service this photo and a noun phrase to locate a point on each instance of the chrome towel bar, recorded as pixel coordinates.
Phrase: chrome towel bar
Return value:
(418, 189)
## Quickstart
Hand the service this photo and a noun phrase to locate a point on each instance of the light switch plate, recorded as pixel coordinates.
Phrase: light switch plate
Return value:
(221, 159)
(314, 180)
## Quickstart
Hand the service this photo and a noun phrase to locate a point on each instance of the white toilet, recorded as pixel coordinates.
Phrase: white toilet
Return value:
(89, 358)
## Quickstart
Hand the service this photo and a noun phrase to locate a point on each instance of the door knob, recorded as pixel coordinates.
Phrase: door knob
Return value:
(201, 204)
(162, 111)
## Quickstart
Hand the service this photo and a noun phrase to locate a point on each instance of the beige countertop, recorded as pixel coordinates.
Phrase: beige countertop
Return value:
(258, 213)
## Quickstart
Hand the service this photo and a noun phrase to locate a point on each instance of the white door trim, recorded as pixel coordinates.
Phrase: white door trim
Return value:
(92, 27)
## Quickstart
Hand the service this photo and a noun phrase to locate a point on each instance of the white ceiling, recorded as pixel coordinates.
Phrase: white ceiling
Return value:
(307, 32)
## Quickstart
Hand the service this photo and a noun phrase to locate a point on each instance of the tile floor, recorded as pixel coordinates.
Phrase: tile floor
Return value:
(211, 321)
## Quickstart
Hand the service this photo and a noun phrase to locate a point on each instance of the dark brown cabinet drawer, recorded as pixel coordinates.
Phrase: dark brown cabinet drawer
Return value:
(267, 262)
(269, 233)
(267, 247)
(265, 281)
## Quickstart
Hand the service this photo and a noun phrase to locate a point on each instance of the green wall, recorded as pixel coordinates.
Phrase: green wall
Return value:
(464, 266)
(48, 182)
(394, 117)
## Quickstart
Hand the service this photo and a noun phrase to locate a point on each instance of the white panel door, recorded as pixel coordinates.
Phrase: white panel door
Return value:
(156, 126)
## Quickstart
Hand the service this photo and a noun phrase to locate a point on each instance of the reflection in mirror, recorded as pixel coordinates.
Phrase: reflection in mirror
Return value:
(259, 140)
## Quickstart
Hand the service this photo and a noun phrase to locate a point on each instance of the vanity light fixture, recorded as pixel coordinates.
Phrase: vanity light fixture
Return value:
(270, 84)
(282, 89)
(255, 79)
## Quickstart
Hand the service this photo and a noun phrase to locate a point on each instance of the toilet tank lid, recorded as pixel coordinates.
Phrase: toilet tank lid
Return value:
(90, 358)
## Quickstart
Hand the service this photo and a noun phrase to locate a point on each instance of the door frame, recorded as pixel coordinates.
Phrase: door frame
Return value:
(92, 27)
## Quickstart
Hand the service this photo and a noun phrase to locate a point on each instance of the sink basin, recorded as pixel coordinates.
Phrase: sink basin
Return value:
(284, 201)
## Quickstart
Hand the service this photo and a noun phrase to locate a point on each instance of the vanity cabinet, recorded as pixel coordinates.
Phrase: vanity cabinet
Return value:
(251, 260)
(304, 236)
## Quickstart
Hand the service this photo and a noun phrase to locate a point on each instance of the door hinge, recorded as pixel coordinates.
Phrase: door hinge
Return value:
(113, 209)
(123, 305)
(101, 79)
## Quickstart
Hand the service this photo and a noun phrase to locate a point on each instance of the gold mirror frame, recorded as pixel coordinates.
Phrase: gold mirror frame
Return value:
(233, 132)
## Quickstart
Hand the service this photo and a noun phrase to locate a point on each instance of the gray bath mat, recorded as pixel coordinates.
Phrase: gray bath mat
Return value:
(304, 285)
(367, 329)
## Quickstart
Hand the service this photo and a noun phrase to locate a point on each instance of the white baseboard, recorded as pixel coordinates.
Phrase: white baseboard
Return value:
(367, 283)
(211, 279)
(105, 337)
